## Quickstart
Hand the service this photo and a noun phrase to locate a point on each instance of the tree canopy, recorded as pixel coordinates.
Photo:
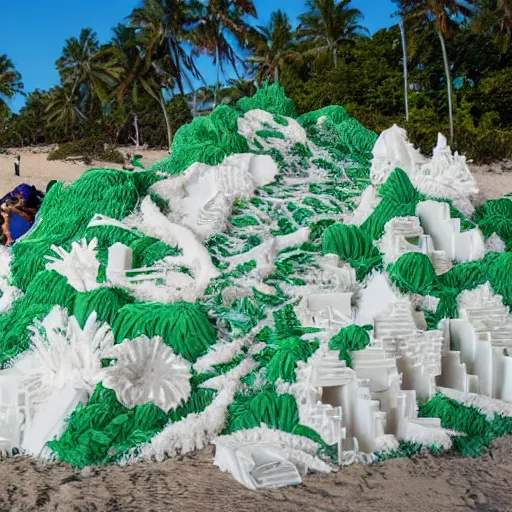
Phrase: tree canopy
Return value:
(142, 84)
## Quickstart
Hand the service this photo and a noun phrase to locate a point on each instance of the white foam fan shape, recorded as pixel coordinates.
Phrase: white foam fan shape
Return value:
(62, 353)
(80, 266)
(146, 371)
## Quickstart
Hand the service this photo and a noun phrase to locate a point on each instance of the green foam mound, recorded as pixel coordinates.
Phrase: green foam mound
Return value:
(348, 340)
(399, 199)
(271, 98)
(336, 114)
(208, 140)
(105, 302)
(479, 431)
(49, 288)
(14, 328)
(355, 138)
(281, 357)
(499, 274)
(413, 272)
(264, 406)
(495, 216)
(65, 213)
(183, 326)
(247, 331)
(353, 245)
(104, 430)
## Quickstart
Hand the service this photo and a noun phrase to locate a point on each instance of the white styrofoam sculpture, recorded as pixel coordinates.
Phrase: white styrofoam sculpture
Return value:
(477, 356)
(393, 150)
(202, 197)
(49, 420)
(374, 297)
(261, 458)
(446, 175)
(368, 201)
(255, 120)
(446, 232)
(44, 385)
(196, 431)
(495, 244)
(149, 220)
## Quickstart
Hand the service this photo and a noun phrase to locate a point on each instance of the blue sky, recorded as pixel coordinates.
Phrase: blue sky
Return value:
(33, 32)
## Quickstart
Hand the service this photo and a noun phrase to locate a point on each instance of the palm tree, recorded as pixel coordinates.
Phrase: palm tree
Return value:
(328, 23)
(496, 16)
(138, 79)
(216, 20)
(90, 71)
(404, 60)
(63, 110)
(162, 62)
(444, 15)
(161, 27)
(236, 89)
(273, 46)
(10, 82)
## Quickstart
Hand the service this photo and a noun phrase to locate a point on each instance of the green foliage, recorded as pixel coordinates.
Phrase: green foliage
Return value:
(88, 149)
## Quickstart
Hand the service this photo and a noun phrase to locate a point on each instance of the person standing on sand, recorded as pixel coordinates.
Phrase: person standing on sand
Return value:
(17, 161)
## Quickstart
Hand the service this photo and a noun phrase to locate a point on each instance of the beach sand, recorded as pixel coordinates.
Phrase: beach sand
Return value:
(37, 170)
(192, 484)
(494, 180)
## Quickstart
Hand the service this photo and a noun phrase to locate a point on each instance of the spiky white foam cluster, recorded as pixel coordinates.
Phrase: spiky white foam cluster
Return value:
(80, 266)
(146, 370)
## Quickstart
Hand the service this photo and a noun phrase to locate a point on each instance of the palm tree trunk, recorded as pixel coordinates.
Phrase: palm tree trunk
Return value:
(136, 125)
(167, 122)
(216, 90)
(276, 75)
(335, 57)
(448, 82)
(406, 77)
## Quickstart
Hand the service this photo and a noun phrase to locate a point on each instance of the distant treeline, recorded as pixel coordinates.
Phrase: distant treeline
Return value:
(136, 87)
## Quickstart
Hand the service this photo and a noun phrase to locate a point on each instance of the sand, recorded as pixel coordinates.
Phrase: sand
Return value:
(38, 171)
(191, 483)
(494, 180)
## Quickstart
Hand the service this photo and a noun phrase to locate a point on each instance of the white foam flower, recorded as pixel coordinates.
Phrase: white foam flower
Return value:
(62, 353)
(147, 370)
(80, 266)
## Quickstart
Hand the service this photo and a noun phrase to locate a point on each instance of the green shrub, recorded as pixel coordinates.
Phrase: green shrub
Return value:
(89, 149)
